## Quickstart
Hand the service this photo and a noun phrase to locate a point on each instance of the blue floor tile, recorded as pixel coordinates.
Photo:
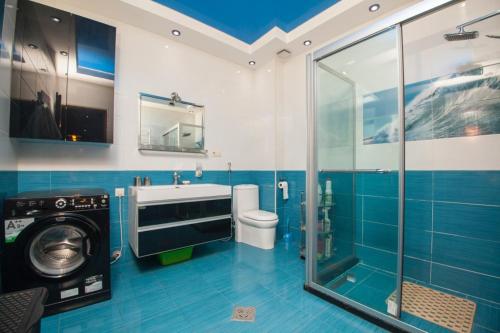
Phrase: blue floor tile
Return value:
(199, 295)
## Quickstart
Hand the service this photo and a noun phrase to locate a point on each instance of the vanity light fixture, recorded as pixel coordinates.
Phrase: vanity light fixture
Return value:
(307, 42)
(176, 33)
(374, 7)
(252, 63)
(32, 46)
(55, 19)
(63, 53)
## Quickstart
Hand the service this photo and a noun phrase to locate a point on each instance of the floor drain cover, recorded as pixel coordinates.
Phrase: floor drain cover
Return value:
(241, 313)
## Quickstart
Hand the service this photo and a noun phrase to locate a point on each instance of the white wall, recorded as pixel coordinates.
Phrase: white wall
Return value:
(432, 56)
(240, 105)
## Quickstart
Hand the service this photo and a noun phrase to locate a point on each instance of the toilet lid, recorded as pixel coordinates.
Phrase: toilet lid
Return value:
(260, 215)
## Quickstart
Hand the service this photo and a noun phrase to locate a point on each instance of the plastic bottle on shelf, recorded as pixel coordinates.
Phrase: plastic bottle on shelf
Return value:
(328, 246)
(320, 195)
(328, 193)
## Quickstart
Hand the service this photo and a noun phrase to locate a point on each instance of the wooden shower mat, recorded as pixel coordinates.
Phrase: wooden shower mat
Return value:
(452, 312)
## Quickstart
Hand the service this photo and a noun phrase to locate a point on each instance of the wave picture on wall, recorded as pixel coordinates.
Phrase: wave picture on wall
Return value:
(455, 105)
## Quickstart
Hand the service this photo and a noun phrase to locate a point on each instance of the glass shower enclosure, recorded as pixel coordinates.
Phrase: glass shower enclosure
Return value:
(403, 173)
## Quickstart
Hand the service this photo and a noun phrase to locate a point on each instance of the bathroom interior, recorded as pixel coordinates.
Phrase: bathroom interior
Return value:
(220, 166)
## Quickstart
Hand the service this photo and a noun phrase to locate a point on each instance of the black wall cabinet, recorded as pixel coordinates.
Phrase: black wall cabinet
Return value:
(62, 76)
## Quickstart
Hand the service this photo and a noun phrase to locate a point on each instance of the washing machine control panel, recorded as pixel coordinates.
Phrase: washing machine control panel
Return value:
(36, 206)
(61, 203)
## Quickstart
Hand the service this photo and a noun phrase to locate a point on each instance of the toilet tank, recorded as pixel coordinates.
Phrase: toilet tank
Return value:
(245, 198)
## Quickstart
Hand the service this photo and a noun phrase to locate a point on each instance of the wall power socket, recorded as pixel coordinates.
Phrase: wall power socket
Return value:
(119, 192)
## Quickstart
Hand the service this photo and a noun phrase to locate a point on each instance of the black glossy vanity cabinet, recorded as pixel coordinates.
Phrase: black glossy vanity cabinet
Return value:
(62, 76)
(161, 225)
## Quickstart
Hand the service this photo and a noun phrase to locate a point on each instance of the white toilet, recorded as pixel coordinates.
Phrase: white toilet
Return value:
(253, 226)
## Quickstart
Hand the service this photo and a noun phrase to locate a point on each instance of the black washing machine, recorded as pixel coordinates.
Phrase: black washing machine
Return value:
(58, 240)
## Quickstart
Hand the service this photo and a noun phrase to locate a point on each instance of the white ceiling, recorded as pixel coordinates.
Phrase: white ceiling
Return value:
(332, 23)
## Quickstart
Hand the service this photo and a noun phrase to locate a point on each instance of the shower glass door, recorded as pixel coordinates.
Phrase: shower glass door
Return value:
(355, 251)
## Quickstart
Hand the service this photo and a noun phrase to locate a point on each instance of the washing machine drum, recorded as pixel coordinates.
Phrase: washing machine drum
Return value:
(60, 249)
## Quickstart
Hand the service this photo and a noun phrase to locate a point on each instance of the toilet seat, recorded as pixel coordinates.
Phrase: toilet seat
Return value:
(259, 219)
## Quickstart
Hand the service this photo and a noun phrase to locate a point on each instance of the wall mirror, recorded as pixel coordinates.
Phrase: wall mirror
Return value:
(171, 124)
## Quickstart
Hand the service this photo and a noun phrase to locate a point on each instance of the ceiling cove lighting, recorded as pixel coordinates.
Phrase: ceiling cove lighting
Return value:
(55, 19)
(252, 63)
(374, 7)
(176, 33)
(307, 42)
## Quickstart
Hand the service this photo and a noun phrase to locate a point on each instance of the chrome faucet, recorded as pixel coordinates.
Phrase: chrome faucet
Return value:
(176, 176)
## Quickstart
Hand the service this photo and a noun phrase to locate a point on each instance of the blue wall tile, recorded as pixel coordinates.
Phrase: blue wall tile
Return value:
(376, 258)
(33, 180)
(467, 253)
(467, 282)
(381, 210)
(380, 236)
(480, 187)
(416, 269)
(468, 220)
(380, 184)
(418, 214)
(418, 185)
(417, 243)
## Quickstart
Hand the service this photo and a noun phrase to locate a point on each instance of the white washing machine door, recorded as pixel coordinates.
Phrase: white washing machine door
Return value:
(59, 250)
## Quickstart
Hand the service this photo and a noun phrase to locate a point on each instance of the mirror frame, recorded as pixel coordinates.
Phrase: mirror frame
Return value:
(172, 149)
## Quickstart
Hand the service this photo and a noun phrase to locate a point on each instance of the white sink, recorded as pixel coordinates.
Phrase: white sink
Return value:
(179, 192)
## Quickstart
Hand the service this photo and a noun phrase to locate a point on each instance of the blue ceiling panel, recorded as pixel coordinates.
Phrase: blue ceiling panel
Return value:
(249, 20)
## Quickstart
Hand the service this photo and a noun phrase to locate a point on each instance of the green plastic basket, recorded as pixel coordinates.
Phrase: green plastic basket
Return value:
(175, 256)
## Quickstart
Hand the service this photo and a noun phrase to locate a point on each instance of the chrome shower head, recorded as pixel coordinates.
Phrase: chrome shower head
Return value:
(461, 35)
(467, 35)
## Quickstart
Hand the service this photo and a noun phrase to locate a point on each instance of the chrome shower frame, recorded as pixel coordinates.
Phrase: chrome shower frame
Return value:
(394, 21)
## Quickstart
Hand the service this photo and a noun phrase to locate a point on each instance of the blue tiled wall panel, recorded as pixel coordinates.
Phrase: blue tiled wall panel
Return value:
(417, 243)
(479, 187)
(470, 283)
(474, 221)
(416, 269)
(380, 259)
(380, 236)
(418, 185)
(380, 210)
(418, 214)
(455, 211)
(467, 253)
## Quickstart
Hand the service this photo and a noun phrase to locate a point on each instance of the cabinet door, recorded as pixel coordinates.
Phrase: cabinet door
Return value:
(40, 65)
(90, 81)
(184, 211)
(156, 241)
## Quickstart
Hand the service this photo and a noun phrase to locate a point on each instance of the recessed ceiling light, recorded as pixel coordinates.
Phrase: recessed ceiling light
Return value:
(374, 7)
(307, 42)
(63, 53)
(345, 73)
(166, 46)
(252, 63)
(55, 19)
(32, 46)
(238, 72)
(176, 32)
(269, 70)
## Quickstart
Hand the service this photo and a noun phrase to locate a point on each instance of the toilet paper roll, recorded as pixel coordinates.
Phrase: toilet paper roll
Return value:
(284, 186)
